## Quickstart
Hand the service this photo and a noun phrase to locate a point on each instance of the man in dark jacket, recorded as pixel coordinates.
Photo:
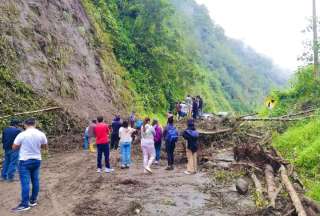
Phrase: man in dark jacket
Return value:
(191, 136)
(116, 124)
(195, 108)
(10, 156)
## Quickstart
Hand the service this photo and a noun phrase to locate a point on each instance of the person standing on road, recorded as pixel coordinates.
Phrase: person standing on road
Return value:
(86, 139)
(92, 136)
(191, 136)
(30, 143)
(157, 140)
(125, 135)
(189, 105)
(200, 107)
(171, 137)
(132, 119)
(116, 124)
(11, 156)
(147, 145)
(102, 132)
(195, 108)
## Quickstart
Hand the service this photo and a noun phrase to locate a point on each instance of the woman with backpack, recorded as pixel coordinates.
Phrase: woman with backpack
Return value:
(191, 136)
(147, 145)
(157, 139)
(171, 137)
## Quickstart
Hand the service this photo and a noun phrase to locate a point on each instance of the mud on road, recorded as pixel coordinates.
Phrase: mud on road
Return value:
(71, 186)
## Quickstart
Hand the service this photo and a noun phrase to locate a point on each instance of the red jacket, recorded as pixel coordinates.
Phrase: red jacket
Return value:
(102, 133)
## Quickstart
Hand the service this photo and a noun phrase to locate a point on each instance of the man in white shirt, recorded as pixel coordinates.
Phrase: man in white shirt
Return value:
(30, 143)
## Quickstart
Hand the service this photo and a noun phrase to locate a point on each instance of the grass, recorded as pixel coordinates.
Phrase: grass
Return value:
(300, 144)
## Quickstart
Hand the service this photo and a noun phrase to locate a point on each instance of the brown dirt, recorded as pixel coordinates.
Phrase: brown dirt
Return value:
(54, 42)
(70, 186)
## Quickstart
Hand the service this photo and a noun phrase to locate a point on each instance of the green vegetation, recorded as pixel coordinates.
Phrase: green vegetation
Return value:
(303, 94)
(300, 144)
(169, 53)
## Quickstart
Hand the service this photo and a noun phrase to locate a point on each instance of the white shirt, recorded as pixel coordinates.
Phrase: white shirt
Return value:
(125, 134)
(30, 142)
(184, 108)
(147, 137)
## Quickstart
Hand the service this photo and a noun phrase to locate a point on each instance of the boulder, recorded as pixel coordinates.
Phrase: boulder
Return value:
(242, 186)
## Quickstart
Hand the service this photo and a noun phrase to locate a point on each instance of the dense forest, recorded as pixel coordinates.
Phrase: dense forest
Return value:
(172, 48)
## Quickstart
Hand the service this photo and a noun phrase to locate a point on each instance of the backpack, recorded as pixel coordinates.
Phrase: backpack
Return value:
(139, 124)
(192, 137)
(172, 134)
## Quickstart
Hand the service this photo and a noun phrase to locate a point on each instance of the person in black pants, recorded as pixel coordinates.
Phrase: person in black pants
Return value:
(195, 108)
(171, 137)
(116, 124)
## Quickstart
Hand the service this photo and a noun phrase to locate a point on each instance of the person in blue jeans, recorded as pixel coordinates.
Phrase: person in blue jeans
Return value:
(30, 143)
(86, 139)
(10, 156)
(157, 140)
(125, 135)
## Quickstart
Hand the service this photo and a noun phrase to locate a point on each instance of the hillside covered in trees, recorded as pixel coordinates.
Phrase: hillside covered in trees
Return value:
(172, 47)
(109, 56)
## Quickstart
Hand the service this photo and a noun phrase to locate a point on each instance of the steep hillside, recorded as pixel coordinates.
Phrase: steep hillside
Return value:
(108, 56)
(56, 49)
(245, 77)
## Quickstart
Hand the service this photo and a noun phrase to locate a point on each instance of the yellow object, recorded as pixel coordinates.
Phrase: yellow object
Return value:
(270, 103)
(91, 148)
(91, 144)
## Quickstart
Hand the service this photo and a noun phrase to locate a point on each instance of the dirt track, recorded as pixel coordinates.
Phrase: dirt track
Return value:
(70, 186)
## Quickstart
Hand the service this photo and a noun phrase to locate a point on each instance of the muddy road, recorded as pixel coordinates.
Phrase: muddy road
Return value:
(71, 186)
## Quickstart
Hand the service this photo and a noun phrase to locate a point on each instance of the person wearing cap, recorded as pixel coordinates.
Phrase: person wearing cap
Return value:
(30, 143)
(10, 156)
(191, 136)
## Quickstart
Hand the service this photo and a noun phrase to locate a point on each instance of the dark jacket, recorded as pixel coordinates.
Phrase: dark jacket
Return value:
(8, 136)
(116, 125)
(191, 135)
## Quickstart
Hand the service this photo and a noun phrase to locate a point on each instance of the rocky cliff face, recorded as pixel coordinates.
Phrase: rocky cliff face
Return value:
(56, 49)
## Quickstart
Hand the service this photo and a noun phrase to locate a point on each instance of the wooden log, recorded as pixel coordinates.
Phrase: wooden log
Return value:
(253, 136)
(257, 184)
(293, 194)
(315, 206)
(299, 113)
(271, 185)
(31, 112)
(277, 119)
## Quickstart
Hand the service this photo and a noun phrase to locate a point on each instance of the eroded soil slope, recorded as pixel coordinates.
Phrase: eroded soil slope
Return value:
(58, 52)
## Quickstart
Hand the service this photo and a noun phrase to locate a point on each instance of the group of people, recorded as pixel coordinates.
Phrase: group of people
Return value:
(22, 144)
(190, 107)
(122, 133)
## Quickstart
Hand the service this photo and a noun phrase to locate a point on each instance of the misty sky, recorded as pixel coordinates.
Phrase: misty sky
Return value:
(271, 27)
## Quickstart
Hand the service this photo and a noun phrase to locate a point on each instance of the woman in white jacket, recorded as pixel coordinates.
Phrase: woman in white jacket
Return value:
(147, 145)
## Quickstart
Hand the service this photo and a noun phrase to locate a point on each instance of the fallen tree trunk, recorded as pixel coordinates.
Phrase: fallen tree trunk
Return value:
(293, 194)
(257, 184)
(299, 113)
(277, 119)
(311, 203)
(31, 112)
(271, 185)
